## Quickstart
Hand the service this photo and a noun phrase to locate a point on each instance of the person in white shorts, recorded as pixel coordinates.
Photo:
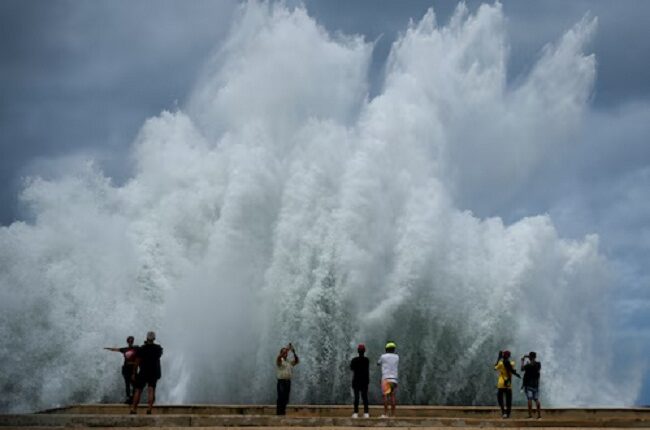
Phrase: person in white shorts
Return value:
(389, 363)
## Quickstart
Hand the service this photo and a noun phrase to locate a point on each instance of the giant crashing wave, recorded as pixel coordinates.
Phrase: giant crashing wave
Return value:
(282, 204)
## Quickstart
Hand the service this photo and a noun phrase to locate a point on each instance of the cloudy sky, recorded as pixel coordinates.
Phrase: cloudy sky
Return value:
(78, 79)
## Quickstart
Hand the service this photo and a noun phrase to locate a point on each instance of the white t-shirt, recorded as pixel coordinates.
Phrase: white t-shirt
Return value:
(389, 362)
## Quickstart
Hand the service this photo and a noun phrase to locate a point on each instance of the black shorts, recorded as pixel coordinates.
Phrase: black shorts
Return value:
(142, 379)
(127, 371)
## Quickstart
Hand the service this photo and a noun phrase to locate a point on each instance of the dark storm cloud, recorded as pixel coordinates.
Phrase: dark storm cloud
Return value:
(620, 44)
(83, 76)
(614, 142)
(379, 21)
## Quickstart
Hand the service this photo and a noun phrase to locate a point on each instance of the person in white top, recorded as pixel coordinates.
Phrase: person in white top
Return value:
(389, 363)
(284, 372)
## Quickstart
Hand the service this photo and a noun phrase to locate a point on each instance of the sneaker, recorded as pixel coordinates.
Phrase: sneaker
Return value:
(366, 415)
(383, 416)
(504, 416)
(355, 415)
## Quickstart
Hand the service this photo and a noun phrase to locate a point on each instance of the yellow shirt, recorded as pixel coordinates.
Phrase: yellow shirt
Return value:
(505, 378)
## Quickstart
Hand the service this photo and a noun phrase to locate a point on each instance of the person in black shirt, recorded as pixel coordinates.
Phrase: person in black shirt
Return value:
(532, 370)
(147, 364)
(360, 367)
(127, 367)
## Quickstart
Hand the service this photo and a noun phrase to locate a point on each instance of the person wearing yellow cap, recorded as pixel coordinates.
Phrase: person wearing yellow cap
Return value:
(389, 363)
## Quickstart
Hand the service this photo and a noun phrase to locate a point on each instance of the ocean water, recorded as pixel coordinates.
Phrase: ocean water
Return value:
(282, 204)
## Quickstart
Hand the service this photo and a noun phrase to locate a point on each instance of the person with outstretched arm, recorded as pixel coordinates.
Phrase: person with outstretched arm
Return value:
(146, 372)
(506, 369)
(127, 367)
(360, 367)
(532, 370)
(389, 363)
(284, 372)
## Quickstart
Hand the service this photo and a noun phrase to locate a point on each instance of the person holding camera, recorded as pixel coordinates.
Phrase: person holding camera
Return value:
(284, 371)
(532, 370)
(506, 369)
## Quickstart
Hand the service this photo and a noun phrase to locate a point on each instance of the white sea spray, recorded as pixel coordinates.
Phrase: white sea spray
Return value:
(282, 204)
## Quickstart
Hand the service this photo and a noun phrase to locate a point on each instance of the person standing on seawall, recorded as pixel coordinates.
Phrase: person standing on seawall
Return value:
(127, 367)
(360, 367)
(284, 372)
(147, 366)
(532, 371)
(506, 369)
(389, 363)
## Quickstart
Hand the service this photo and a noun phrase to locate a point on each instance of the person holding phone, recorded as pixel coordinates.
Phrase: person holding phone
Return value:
(284, 372)
(532, 370)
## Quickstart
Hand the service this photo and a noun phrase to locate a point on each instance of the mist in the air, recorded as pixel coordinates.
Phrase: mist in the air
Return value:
(282, 204)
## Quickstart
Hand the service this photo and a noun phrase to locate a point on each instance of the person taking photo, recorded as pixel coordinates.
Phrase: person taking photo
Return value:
(284, 372)
(532, 369)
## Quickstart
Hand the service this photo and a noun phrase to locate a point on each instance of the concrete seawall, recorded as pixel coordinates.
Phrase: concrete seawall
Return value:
(321, 416)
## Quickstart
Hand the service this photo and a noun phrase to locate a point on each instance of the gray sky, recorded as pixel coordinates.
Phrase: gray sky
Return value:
(81, 78)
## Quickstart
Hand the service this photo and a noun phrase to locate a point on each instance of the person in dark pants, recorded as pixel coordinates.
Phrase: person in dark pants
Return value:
(506, 369)
(530, 384)
(147, 365)
(284, 371)
(360, 367)
(127, 367)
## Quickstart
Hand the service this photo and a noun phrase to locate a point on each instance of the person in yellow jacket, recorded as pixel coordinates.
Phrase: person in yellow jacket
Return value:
(506, 368)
